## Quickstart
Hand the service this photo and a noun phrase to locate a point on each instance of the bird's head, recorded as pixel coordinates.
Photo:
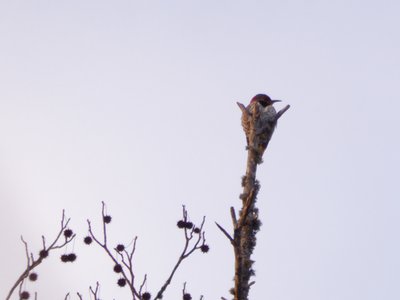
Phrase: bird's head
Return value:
(264, 100)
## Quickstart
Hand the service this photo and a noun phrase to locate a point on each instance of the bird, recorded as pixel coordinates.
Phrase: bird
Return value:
(259, 118)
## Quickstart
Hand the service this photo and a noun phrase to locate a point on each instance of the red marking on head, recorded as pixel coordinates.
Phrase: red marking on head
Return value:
(261, 98)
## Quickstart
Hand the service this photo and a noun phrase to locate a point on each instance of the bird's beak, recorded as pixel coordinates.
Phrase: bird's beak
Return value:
(273, 101)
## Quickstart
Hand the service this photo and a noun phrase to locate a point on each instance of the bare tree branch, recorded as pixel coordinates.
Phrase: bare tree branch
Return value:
(189, 233)
(184, 289)
(143, 283)
(233, 216)
(32, 263)
(123, 259)
(95, 291)
(281, 112)
(225, 232)
(127, 272)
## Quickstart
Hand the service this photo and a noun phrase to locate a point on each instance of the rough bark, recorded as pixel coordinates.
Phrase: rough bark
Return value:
(248, 224)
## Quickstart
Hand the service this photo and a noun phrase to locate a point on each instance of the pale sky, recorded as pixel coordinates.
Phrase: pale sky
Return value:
(134, 103)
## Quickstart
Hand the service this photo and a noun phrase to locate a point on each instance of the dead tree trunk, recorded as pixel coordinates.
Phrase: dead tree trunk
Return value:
(248, 224)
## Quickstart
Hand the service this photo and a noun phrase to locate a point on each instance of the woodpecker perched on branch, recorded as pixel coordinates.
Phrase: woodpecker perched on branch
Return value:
(259, 120)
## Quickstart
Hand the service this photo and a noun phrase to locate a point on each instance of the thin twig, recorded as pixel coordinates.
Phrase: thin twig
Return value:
(104, 224)
(184, 289)
(94, 292)
(233, 216)
(225, 232)
(281, 112)
(143, 283)
(28, 259)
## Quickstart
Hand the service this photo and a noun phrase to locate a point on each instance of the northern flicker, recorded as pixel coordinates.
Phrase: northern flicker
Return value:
(259, 115)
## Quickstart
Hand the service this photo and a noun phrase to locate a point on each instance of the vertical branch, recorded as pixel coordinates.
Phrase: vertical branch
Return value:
(248, 224)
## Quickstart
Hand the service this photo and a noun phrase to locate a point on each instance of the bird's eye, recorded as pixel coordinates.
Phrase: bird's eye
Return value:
(263, 103)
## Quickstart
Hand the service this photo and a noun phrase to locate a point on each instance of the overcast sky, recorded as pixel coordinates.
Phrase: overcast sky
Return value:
(134, 103)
